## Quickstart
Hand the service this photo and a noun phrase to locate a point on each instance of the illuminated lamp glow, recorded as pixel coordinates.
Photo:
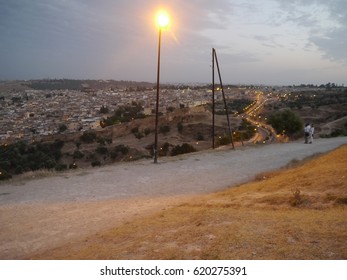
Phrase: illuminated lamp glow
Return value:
(163, 19)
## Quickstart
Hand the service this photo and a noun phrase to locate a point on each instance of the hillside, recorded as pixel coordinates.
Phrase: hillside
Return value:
(295, 213)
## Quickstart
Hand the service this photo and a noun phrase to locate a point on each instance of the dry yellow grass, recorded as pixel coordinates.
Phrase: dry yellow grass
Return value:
(298, 213)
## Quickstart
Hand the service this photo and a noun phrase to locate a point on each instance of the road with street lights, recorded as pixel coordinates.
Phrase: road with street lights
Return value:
(252, 113)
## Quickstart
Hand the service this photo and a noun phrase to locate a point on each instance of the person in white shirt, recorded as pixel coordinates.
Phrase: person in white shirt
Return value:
(307, 130)
(311, 133)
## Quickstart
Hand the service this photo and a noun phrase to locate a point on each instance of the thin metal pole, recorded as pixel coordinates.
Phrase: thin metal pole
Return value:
(225, 104)
(157, 104)
(213, 108)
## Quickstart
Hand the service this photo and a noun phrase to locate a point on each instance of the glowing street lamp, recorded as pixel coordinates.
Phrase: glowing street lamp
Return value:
(163, 22)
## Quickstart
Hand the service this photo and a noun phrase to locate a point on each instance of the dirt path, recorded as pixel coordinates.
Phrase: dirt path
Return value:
(40, 214)
(30, 228)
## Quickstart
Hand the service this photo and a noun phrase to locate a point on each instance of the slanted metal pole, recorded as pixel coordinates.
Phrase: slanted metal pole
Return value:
(225, 104)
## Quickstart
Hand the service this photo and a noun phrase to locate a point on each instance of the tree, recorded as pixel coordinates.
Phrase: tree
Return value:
(88, 137)
(286, 121)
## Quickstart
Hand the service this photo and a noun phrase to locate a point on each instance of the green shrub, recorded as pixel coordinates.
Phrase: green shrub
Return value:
(101, 150)
(61, 167)
(22, 156)
(180, 127)
(88, 137)
(96, 163)
(200, 137)
(147, 131)
(114, 154)
(225, 140)
(77, 154)
(164, 150)
(164, 129)
(286, 121)
(139, 135)
(183, 149)
(4, 175)
(123, 149)
(135, 130)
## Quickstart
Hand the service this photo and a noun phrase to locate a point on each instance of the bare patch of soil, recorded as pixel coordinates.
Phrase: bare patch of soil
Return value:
(38, 227)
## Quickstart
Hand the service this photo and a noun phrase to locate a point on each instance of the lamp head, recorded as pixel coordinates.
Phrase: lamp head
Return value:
(163, 19)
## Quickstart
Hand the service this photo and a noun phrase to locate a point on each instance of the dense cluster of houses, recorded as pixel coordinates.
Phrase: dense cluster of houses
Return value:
(29, 113)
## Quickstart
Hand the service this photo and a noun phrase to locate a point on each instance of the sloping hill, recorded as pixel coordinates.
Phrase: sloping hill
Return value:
(297, 213)
(336, 125)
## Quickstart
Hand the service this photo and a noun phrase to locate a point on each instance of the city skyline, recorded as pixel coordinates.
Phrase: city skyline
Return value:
(273, 42)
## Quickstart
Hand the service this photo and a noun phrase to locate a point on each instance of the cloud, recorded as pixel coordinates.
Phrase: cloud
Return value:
(269, 41)
(326, 22)
(334, 41)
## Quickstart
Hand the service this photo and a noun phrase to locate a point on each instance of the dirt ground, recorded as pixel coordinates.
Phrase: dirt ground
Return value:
(35, 227)
(40, 214)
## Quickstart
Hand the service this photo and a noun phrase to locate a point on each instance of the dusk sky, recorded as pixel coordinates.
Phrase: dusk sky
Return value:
(273, 42)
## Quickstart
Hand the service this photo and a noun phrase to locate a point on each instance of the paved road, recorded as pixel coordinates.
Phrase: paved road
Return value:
(202, 172)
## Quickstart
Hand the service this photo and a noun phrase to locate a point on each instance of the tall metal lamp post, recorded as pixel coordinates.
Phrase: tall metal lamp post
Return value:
(163, 22)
